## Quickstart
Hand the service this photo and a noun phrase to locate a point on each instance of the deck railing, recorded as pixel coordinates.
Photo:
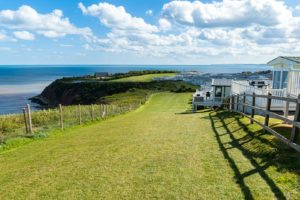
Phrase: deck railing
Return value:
(237, 103)
(241, 87)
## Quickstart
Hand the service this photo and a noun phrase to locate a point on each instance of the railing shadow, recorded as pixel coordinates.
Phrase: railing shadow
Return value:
(268, 159)
(190, 111)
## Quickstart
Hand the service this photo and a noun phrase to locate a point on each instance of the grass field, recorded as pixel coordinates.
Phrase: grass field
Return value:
(160, 151)
(143, 78)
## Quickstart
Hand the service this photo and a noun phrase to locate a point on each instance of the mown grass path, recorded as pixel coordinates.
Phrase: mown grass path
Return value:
(159, 151)
(143, 78)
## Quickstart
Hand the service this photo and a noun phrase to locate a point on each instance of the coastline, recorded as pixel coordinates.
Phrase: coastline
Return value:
(20, 83)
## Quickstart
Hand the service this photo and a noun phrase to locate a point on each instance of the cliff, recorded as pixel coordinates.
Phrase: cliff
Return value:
(70, 91)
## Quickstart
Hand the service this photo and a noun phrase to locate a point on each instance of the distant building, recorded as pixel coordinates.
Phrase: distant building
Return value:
(285, 83)
(101, 75)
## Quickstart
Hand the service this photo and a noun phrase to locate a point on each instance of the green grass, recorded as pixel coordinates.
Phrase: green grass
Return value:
(132, 96)
(160, 151)
(46, 121)
(143, 78)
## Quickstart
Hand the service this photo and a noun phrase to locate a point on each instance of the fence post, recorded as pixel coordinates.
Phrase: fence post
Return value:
(286, 109)
(244, 102)
(29, 119)
(79, 114)
(103, 112)
(61, 117)
(295, 130)
(253, 109)
(232, 105)
(92, 112)
(237, 102)
(268, 108)
(25, 120)
(227, 103)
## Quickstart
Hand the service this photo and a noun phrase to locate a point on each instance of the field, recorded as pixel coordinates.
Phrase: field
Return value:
(143, 78)
(160, 151)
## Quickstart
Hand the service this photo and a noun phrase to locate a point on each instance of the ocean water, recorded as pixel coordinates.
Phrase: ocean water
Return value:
(18, 83)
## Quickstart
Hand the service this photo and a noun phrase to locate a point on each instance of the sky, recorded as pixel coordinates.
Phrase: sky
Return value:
(148, 32)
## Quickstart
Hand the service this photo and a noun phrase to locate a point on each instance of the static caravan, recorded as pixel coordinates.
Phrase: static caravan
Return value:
(286, 74)
(214, 96)
(221, 89)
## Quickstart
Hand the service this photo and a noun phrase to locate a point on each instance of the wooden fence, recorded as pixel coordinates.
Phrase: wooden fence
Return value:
(28, 119)
(237, 103)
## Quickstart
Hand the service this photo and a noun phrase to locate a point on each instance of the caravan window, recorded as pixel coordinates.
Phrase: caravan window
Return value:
(276, 79)
(218, 91)
(284, 79)
(280, 79)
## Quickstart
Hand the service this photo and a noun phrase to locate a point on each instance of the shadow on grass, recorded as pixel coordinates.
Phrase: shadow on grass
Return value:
(190, 111)
(271, 153)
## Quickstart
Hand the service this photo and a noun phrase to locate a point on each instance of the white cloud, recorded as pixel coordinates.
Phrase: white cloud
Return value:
(52, 24)
(226, 28)
(228, 13)
(116, 17)
(149, 13)
(24, 35)
(164, 24)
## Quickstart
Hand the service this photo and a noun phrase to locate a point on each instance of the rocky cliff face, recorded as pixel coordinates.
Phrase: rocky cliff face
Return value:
(70, 91)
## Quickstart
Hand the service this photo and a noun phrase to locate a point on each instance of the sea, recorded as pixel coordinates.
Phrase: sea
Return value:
(20, 82)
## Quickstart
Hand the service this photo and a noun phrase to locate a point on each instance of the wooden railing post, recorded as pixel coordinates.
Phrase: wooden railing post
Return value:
(25, 120)
(227, 103)
(244, 101)
(253, 109)
(268, 108)
(61, 117)
(295, 130)
(232, 105)
(286, 107)
(92, 112)
(79, 114)
(29, 119)
(103, 112)
(237, 102)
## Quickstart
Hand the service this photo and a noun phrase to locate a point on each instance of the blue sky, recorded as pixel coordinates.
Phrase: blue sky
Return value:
(147, 32)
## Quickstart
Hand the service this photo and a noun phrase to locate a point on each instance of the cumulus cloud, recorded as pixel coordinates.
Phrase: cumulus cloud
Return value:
(116, 17)
(228, 13)
(24, 35)
(52, 24)
(127, 35)
(185, 28)
(164, 24)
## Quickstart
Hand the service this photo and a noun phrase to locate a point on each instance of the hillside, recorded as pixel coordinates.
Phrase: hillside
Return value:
(160, 151)
(70, 91)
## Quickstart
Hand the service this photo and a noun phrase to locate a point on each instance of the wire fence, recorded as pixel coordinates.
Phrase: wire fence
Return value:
(30, 124)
